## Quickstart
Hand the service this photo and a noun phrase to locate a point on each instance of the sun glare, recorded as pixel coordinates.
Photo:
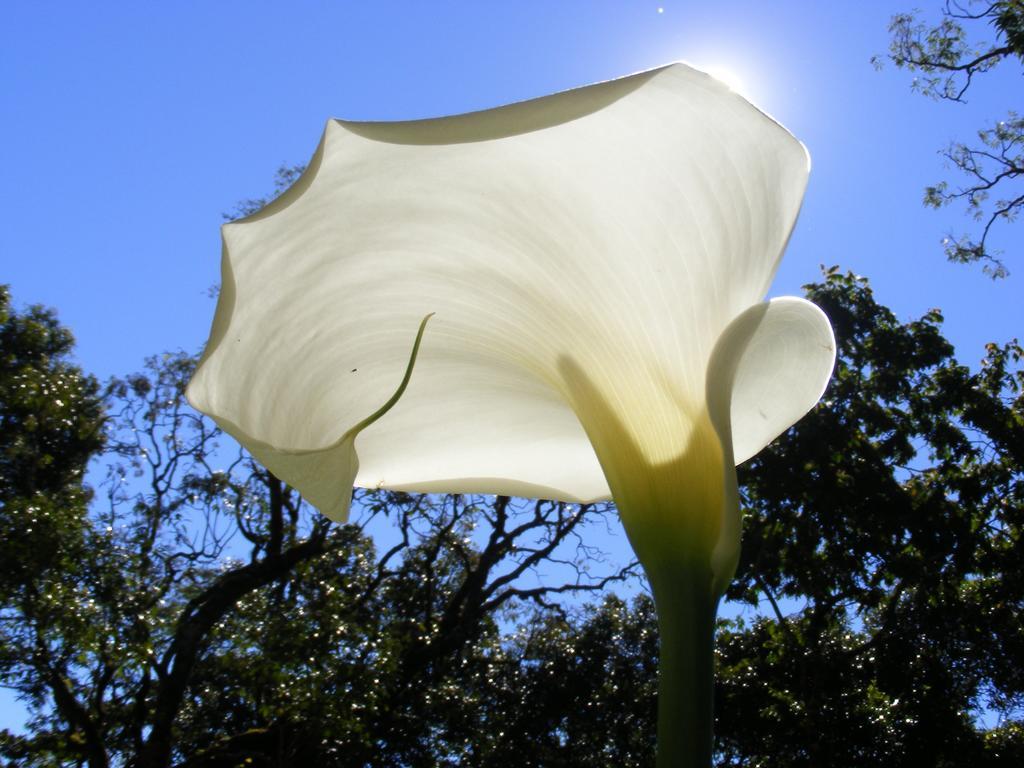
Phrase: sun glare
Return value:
(729, 77)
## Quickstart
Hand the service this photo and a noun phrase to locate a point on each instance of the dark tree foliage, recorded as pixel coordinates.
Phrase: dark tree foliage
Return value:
(116, 622)
(946, 58)
(892, 516)
(198, 607)
(882, 560)
(198, 614)
(581, 692)
(50, 416)
(50, 425)
(380, 659)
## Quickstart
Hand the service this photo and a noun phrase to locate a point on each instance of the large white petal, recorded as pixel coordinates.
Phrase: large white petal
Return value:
(620, 226)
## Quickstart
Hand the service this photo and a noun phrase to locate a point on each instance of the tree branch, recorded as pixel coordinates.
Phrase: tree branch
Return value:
(198, 618)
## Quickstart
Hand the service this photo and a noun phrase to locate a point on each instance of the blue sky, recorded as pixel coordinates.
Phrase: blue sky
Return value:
(128, 128)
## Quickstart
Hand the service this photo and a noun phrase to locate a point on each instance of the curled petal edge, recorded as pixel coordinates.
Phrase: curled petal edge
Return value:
(768, 368)
(325, 476)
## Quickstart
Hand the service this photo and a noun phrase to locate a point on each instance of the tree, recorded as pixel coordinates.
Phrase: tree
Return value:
(882, 539)
(50, 426)
(390, 659)
(881, 559)
(947, 63)
(189, 609)
(892, 516)
(198, 614)
(51, 423)
(107, 651)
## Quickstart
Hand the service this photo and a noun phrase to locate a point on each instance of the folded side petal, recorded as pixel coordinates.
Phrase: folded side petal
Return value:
(325, 477)
(769, 368)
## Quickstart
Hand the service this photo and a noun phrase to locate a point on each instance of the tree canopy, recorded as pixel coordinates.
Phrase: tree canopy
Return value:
(195, 612)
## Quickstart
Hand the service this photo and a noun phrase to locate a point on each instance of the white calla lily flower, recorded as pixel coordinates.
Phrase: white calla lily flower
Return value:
(596, 263)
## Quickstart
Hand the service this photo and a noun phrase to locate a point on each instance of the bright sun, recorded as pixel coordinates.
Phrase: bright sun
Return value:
(729, 77)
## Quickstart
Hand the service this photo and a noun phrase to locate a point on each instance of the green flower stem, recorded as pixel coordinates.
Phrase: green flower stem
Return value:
(686, 622)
